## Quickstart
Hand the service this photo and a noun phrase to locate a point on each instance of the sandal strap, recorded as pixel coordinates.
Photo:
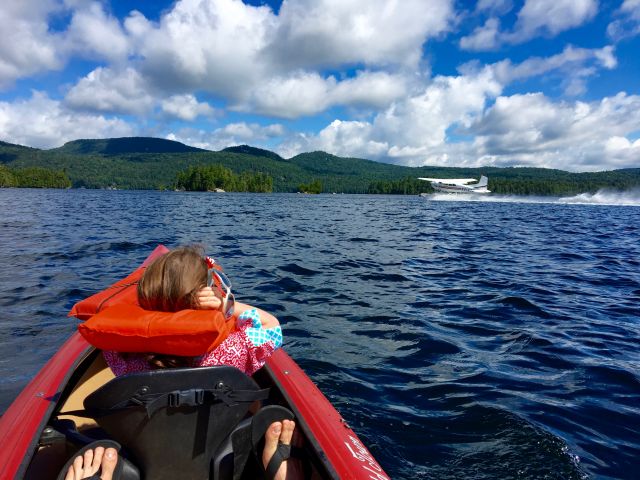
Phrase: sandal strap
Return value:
(282, 453)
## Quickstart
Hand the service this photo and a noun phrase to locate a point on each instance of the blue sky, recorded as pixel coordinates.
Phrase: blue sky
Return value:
(548, 83)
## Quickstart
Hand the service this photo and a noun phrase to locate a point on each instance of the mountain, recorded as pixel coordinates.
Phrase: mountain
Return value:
(152, 163)
(123, 146)
(323, 162)
(10, 152)
(13, 145)
(256, 152)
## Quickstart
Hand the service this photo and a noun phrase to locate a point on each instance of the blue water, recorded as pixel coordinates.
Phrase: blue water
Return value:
(491, 339)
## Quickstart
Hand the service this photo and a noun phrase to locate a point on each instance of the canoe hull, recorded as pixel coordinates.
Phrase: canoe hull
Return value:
(26, 417)
(345, 453)
(337, 446)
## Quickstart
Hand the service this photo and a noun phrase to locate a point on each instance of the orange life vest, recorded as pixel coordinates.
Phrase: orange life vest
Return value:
(130, 328)
(115, 321)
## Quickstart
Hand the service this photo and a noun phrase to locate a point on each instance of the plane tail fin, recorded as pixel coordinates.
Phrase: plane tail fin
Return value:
(484, 181)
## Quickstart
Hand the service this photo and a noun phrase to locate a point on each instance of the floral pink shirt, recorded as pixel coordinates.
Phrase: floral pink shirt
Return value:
(237, 350)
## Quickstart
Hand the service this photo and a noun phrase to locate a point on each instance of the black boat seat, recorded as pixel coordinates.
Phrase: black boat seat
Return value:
(173, 421)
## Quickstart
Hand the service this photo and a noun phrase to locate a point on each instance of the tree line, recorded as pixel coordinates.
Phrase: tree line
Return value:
(403, 186)
(553, 184)
(87, 167)
(206, 178)
(313, 187)
(33, 177)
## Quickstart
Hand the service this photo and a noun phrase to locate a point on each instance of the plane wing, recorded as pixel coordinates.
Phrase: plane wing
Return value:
(454, 181)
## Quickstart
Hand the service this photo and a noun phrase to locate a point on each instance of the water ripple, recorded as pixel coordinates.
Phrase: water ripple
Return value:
(509, 353)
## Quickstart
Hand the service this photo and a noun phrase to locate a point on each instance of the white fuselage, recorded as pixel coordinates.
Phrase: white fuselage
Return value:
(451, 188)
(458, 185)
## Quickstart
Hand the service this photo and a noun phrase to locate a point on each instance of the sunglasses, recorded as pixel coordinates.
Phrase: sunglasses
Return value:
(218, 279)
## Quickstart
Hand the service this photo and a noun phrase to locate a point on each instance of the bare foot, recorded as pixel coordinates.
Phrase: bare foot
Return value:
(278, 432)
(93, 461)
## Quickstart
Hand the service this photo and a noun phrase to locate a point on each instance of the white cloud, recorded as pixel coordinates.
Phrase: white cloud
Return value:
(338, 32)
(449, 123)
(229, 135)
(95, 34)
(186, 107)
(226, 48)
(137, 26)
(45, 123)
(345, 138)
(632, 9)
(423, 120)
(607, 57)
(304, 93)
(536, 18)
(573, 66)
(370, 89)
(410, 128)
(108, 90)
(552, 17)
(256, 61)
(621, 152)
(628, 22)
(203, 45)
(484, 37)
(234, 50)
(532, 130)
(27, 46)
(496, 6)
(521, 123)
(249, 56)
(570, 59)
(308, 93)
(576, 84)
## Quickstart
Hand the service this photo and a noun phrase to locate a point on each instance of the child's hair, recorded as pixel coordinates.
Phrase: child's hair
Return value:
(171, 282)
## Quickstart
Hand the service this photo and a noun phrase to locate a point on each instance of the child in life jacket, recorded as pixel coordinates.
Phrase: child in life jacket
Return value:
(185, 279)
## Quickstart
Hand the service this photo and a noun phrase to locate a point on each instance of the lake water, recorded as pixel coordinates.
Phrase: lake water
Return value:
(490, 339)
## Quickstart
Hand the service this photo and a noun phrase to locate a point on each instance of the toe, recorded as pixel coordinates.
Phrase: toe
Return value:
(70, 474)
(78, 471)
(271, 438)
(287, 431)
(88, 460)
(109, 462)
(97, 461)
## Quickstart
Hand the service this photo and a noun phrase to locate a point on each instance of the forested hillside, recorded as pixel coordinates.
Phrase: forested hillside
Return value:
(151, 163)
(123, 146)
(33, 177)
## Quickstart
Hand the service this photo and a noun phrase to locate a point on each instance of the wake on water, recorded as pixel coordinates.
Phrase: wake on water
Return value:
(601, 197)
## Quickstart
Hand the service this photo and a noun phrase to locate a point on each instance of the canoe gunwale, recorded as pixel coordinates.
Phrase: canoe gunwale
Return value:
(337, 445)
(27, 416)
(302, 423)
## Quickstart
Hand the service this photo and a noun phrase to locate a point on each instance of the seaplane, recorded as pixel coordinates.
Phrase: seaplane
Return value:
(458, 185)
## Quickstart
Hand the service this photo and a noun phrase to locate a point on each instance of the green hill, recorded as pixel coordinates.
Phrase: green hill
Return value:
(152, 163)
(10, 152)
(256, 152)
(14, 146)
(125, 145)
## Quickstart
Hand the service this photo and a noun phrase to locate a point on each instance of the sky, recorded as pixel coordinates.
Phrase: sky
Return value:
(539, 83)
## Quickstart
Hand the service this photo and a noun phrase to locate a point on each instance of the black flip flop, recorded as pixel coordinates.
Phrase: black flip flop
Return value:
(282, 453)
(124, 469)
(259, 425)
